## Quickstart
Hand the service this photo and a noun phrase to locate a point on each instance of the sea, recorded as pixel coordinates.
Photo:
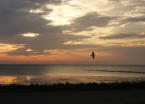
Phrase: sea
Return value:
(54, 74)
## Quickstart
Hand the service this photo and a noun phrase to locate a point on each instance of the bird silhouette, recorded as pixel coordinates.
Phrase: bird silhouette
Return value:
(93, 55)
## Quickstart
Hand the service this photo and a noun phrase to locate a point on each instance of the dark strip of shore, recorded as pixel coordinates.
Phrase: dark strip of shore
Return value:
(73, 87)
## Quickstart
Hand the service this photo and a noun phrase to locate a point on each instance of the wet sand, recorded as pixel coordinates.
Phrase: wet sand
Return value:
(76, 97)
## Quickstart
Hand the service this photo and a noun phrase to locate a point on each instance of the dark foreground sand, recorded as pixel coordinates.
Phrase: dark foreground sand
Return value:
(76, 97)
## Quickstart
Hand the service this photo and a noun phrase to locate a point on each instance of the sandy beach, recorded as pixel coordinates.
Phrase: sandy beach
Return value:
(76, 97)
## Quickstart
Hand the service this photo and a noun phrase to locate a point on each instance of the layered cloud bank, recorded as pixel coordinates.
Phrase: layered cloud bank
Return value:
(61, 31)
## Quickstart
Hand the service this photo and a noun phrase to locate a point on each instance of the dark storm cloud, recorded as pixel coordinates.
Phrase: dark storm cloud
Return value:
(132, 1)
(15, 20)
(135, 19)
(89, 20)
(46, 42)
(133, 9)
(123, 36)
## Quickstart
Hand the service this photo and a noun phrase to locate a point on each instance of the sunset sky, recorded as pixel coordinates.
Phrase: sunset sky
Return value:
(67, 31)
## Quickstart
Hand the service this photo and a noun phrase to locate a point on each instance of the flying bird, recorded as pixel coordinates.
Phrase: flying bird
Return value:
(93, 55)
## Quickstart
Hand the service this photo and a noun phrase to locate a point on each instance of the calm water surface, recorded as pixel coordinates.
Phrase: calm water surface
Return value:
(52, 74)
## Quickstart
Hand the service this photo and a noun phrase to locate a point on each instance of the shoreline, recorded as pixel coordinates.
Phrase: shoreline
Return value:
(73, 87)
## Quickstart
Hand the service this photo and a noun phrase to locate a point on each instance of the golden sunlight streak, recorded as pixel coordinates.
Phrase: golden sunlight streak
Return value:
(36, 11)
(29, 50)
(31, 35)
(9, 47)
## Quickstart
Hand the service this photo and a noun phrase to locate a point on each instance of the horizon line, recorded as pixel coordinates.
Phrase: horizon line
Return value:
(76, 64)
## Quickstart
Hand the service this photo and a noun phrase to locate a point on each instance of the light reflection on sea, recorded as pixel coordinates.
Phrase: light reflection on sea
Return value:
(26, 80)
(53, 74)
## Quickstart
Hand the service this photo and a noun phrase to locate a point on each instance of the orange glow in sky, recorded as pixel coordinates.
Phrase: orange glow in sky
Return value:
(67, 31)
